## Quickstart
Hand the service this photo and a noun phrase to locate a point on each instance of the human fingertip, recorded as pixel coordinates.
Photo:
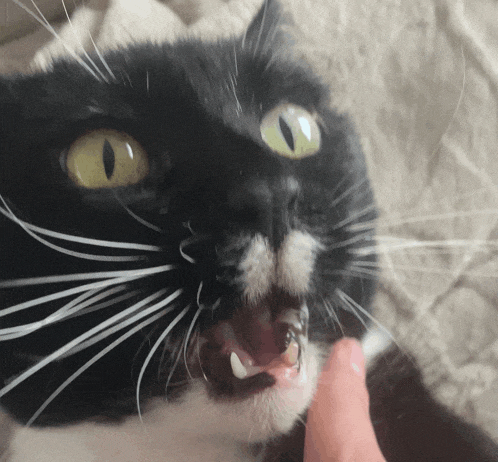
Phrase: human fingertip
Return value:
(357, 360)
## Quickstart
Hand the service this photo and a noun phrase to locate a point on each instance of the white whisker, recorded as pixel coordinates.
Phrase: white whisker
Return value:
(356, 308)
(101, 57)
(69, 310)
(68, 237)
(161, 338)
(333, 314)
(192, 324)
(43, 21)
(93, 361)
(366, 236)
(348, 192)
(421, 219)
(387, 244)
(83, 337)
(120, 325)
(23, 282)
(95, 285)
(76, 36)
(355, 216)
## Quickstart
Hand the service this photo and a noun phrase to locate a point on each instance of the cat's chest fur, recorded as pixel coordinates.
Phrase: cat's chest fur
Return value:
(195, 429)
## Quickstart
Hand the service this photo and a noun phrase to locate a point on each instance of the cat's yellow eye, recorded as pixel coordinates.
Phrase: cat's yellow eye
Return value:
(106, 159)
(291, 131)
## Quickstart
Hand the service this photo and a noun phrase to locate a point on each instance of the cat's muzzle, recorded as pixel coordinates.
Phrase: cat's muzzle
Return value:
(258, 347)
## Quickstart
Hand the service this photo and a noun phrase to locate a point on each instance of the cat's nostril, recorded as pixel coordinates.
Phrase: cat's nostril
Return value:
(266, 206)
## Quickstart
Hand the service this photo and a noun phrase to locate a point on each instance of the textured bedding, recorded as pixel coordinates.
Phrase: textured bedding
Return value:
(420, 80)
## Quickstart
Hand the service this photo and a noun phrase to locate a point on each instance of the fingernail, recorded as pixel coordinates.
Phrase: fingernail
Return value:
(357, 360)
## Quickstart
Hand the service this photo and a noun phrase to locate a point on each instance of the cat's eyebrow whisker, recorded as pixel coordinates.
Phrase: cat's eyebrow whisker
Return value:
(94, 331)
(102, 59)
(43, 21)
(95, 285)
(7, 212)
(76, 36)
(161, 338)
(99, 355)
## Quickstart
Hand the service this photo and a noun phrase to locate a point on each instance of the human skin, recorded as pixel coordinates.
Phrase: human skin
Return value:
(339, 428)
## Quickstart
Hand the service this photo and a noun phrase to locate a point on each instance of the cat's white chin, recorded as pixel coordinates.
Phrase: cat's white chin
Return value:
(260, 416)
(189, 429)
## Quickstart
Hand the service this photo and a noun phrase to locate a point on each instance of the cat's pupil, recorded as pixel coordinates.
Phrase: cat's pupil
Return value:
(286, 132)
(108, 159)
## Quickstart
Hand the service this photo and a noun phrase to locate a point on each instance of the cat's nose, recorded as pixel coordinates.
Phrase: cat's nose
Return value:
(266, 206)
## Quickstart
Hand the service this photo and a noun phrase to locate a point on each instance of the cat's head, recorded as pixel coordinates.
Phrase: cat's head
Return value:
(177, 219)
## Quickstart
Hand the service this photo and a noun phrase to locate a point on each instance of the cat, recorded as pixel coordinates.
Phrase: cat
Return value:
(180, 227)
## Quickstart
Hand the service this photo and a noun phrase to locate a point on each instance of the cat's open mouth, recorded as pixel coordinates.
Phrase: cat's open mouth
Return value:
(260, 346)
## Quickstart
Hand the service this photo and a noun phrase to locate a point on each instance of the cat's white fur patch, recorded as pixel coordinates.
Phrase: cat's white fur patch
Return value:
(295, 262)
(257, 268)
(290, 268)
(195, 429)
(375, 342)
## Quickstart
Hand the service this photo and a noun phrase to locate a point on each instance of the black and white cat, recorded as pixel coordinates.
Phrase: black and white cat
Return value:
(180, 228)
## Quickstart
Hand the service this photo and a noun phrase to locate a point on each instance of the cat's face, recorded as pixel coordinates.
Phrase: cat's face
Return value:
(202, 207)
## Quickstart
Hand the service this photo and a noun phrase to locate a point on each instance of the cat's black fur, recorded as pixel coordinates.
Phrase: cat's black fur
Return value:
(212, 177)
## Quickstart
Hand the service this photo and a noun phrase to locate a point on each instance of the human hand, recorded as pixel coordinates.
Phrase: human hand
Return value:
(339, 428)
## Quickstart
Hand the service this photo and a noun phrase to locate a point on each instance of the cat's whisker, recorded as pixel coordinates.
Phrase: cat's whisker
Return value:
(84, 288)
(76, 36)
(261, 28)
(43, 21)
(89, 363)
(69, 310)
(366, 236)
(137, 217)
(185, 243)
(102, 59)
(354, 307)
(82, 309)
(332, 313)
(350, 191)
(33, 230)
(393, 223)
(23, 282)
(161, 338)
(198, 351)
(355, 216)
(147, 82)
(234, 91)
(95, 331)
(388, 244)
(192, 324)
(84, 345)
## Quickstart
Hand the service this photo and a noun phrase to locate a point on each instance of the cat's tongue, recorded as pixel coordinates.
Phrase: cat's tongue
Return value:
(258, 344)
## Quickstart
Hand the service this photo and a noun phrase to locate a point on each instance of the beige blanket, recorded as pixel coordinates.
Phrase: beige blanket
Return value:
(420, 79)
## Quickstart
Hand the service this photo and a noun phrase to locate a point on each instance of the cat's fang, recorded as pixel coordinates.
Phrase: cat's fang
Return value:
(238, 368)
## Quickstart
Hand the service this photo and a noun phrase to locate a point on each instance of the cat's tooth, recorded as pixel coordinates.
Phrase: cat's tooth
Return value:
(291, 355)
(238, 368)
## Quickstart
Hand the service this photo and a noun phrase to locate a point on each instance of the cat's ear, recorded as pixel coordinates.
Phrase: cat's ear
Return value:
(266, 31)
